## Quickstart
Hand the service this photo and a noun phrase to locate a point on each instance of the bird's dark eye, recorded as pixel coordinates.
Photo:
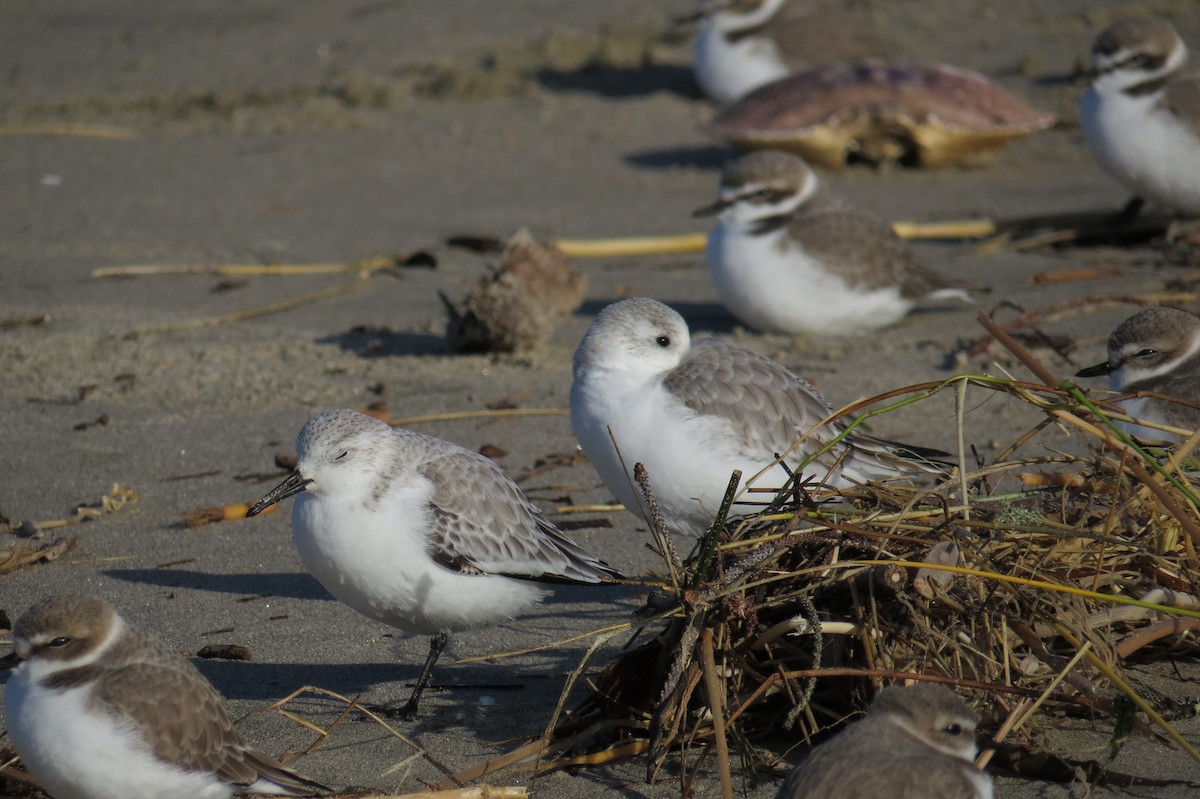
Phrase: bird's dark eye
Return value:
(1146, 353)
(344, 454)
(954, 729)
(60, 642)
(663, 341)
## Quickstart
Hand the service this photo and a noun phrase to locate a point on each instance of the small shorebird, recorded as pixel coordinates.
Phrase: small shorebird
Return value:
(99, 710)
(692, 413)
(916, 742)
(419, 533)
(1141, 115)
(1157, 349)
(787, 256)
(743, 44)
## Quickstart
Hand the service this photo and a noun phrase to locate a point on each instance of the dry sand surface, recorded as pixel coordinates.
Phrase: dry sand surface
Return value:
(314, 132)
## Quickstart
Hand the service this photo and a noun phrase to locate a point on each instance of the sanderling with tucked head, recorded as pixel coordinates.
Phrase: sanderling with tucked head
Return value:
(916, 742)
(1141, 115)
(1158, 350)
(693, 412)
(99, 710)
(787, 256)
(743, 44)
(419, 533)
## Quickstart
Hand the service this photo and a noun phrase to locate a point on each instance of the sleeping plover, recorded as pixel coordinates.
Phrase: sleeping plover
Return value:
(916, 742)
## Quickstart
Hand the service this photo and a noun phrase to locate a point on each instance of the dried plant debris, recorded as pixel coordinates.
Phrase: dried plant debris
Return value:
(19, 554)
(224, 652)
(792, 619)
(203, 517)
(519, 303)
(117, 498)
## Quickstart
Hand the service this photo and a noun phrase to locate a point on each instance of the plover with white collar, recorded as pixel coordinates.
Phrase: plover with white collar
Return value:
(788, 256)
(1141, 115)
(99, 710)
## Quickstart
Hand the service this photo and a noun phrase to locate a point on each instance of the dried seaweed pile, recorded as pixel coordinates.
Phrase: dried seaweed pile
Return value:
(1030, 595)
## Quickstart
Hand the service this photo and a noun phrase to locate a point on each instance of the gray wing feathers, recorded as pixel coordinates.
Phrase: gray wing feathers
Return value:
(483, 523)
(1183, 97)
(765, 404)
(185, 721)
(867, 252)
(767, 407)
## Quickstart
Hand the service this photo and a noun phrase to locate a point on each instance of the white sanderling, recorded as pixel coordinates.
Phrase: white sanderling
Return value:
(419, 533)
(692, 413)
(99, 710)
(1158, 350)
(916, 742)
(789, 256)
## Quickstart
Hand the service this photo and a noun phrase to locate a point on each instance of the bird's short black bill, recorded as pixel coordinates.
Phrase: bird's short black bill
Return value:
(713, 209)
(293, 485)
(1098, 370)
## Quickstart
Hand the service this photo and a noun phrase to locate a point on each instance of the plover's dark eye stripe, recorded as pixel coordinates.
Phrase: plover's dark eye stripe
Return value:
(766, 196)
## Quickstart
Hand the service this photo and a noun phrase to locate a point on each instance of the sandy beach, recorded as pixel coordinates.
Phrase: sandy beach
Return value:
(331, 132)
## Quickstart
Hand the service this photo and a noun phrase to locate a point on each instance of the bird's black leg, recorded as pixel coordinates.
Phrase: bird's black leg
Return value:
(409, 709)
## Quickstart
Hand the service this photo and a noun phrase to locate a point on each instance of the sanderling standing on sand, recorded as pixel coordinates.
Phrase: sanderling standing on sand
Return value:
(99, 710)
(692, 413)
(787, 256)
(916, 742)
(419, 533)
(1157, 349)
(1141, 115)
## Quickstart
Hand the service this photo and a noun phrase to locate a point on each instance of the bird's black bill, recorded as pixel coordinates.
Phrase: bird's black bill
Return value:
(293, 485)
(1098, 370)
(9, 661)
(714, 209)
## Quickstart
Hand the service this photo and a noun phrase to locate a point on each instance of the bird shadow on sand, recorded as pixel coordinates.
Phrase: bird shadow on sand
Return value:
(623, 82)
(708, 156)
(374, 341)
(293, 585)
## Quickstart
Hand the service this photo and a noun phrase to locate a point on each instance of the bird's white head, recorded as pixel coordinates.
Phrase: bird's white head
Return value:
(638, 336)
(340, 452)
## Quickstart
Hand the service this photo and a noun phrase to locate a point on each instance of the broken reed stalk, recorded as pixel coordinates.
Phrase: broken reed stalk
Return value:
(715, 687)
(686, 243)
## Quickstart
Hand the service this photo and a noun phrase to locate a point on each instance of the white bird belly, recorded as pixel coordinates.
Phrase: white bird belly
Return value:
(787, 291)
(688, 459)
(79, 753)
(373, 561)
(1144, 149)
(726, 70)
